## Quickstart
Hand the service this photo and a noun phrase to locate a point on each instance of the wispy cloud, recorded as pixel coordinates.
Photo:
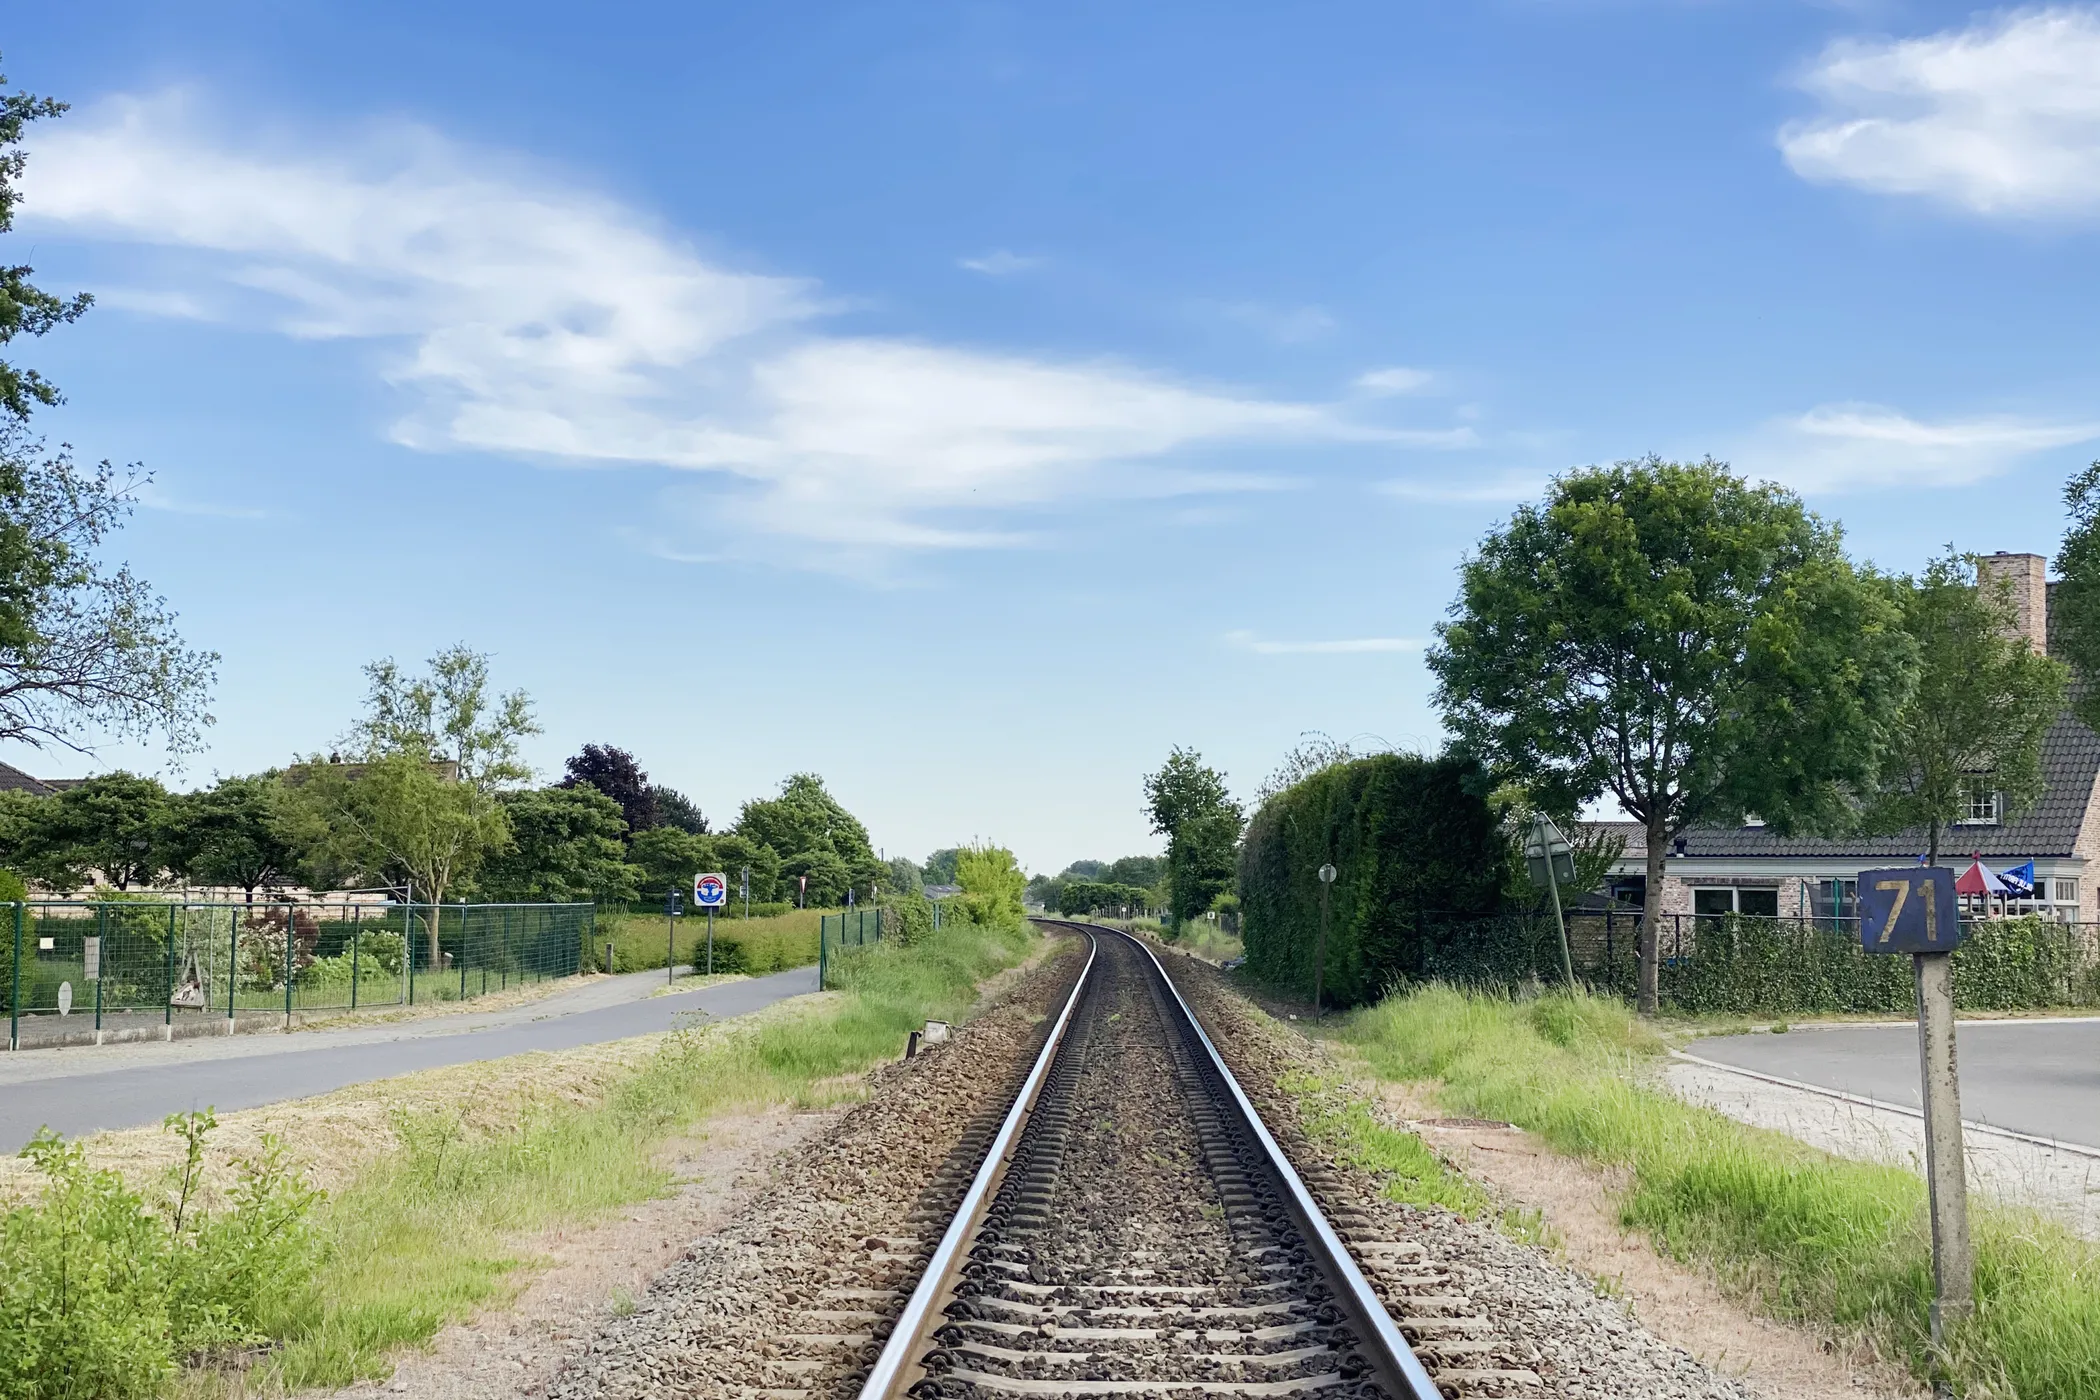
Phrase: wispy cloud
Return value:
(2001, 117)
(1506, 487)
(1248, 641)
(1001, 263)
(154, 497)
(1288, 325)
(1842, 447)
(1397, 379)
(532, 318)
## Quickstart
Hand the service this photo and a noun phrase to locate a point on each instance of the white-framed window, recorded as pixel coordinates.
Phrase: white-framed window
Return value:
(1984, 807)
(1714, 901)
(2064, 890)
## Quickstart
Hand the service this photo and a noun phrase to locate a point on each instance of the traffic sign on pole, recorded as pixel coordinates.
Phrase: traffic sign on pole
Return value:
(710, 892)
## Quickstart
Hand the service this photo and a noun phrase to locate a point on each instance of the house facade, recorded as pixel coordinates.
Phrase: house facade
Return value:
(1750, 869)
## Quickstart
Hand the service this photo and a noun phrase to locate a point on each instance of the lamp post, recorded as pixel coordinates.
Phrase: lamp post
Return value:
(1327, 873)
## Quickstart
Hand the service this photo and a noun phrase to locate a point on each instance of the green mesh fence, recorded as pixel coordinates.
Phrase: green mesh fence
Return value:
(855, 928)
(146, 966)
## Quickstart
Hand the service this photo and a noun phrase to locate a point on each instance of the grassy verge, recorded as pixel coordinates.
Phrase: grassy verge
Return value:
(756, 946)
(1803, 1235)
(425, 1236)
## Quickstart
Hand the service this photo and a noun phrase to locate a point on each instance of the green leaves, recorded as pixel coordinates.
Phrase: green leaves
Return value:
(1189, 805)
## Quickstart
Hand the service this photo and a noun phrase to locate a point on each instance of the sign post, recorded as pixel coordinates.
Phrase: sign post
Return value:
(1327, 873)
(710, 892)
(1550, 859)
(1913, 909)
(671, 913)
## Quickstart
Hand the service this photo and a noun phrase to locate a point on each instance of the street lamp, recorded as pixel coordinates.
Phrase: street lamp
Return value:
(1320, 959)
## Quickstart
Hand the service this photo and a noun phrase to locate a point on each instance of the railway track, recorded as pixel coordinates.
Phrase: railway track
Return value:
(1135, 1230)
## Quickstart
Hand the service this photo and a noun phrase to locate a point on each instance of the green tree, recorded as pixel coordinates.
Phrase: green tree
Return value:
(735, 854)
(565, 845)
(1695, 646)
(1984, 699)
(24, 308)
(940, 866)
(395, 815)
(615, 773)
(674, 808)
(992, 882)
(83, 649)
(449, 714)
(1143, 871)
(233, 833)
(828, 878)
(1189, 805)
(112, 824)
(669, 859)
(2074, 604)
(805, 820)
(902, 876)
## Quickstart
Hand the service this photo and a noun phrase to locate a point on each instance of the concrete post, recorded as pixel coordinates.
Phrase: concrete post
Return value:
(1953, 1264)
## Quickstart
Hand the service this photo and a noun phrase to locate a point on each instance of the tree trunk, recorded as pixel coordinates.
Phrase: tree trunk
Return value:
(1932, 842)
(430, 921)
(1647, 1000)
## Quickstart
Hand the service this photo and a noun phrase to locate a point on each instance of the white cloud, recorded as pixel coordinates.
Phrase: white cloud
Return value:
(1396, 380)
(2002, 117)
(1247, 641)
(1288, 325)
(1508, 487)
(1001, 263)
(531, 318)
(1856, 446)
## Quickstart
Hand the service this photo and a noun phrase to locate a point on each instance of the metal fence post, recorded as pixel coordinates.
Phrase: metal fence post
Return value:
(168, 982)
(462, 949)
(408, 941)
(101, 963)
(823, 923)
(233, 956)
(290, 962)
(356, 911)
(14, 996)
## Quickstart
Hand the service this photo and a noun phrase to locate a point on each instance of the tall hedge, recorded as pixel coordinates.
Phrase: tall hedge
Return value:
(1414, 845)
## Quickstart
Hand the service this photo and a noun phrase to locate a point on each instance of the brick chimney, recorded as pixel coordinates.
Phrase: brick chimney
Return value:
(2026, 577)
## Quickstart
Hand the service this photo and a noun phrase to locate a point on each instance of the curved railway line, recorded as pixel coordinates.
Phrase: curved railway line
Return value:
(1133, 1229)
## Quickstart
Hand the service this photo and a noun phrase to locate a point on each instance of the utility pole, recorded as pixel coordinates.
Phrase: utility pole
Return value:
(1550, 859)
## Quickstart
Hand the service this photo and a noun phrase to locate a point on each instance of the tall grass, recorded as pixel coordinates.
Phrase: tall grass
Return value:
(756, 946)
(432, 1232)
(1804, 1235)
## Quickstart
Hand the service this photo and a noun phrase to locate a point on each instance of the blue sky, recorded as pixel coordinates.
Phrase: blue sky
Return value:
(967, 402)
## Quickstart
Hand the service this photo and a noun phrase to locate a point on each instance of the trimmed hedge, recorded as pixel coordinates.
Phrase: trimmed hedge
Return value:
(1415, 847)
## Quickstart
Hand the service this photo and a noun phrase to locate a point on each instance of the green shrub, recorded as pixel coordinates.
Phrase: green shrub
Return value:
(1414, 844)
(102, 1293)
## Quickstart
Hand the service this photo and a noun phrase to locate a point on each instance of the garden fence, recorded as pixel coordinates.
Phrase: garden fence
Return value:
(855, 928)
(1760, 964)
(145, 967)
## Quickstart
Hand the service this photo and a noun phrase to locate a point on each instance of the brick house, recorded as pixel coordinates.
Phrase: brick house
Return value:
(1751, 870)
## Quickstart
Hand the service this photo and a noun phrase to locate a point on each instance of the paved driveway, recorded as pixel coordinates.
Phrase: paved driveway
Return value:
(2038, 1077)
(85, 1090)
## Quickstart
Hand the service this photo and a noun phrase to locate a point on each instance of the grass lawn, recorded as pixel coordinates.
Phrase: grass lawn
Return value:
(1805, 1236)
(419, 1237)
(756, 946)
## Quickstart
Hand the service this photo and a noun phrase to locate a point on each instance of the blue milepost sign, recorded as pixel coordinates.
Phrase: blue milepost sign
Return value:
(1911, 909)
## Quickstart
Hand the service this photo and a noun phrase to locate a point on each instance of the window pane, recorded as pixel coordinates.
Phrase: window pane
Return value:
(1765, 902)
(1713, 901)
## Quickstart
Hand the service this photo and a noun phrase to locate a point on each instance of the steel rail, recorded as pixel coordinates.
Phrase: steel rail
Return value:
(1401, 1362)
(897, 1352)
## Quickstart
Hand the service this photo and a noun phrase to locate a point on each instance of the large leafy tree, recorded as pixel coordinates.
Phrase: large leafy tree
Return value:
(565, 844)
(452, 713)
(112, 824)
(2074, 607)
(806, 824)
(1695, 646)
(992, 884)
(615, 773)
(84, 649)
(1189, 805)
(940, 866)
(669, 858)
(395, 816)
(1984, 700)
(25, 309)
(233, 833)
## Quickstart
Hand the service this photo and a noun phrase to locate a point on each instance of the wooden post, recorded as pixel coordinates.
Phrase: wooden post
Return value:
(1953, 1263)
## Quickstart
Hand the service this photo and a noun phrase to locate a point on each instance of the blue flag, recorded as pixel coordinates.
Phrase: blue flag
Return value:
(2021, 880)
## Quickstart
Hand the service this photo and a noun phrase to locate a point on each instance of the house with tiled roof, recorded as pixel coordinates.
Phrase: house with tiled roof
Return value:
(1750, 869)
(13, 779)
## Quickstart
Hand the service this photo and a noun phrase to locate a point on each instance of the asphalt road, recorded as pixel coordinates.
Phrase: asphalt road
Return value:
(2036, 1077)
(79, 1099)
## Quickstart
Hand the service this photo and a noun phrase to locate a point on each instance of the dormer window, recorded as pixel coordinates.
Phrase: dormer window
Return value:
(1752, 819)
(1983, 807)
